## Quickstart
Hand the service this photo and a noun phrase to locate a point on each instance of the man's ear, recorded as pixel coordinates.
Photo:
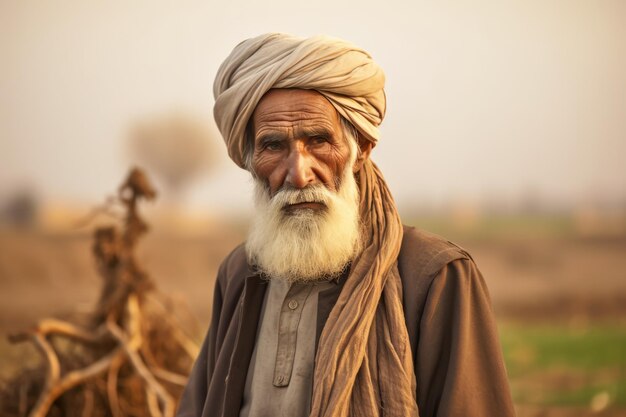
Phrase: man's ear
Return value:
(365, 147)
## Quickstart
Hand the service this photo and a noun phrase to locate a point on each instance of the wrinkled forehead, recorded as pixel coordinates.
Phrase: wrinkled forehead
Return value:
(293, 105)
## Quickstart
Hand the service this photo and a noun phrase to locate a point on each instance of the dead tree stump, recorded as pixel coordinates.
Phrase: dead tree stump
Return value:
(131, 359)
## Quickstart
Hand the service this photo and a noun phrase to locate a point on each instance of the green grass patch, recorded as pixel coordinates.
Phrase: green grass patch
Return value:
(559, 365)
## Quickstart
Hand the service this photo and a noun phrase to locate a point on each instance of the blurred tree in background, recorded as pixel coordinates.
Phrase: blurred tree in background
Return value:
(175, 147)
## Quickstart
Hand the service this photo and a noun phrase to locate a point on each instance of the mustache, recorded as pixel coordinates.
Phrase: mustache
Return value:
(289, 195)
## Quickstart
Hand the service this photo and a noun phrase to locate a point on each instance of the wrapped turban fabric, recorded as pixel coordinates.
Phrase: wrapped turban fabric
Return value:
(363, 363)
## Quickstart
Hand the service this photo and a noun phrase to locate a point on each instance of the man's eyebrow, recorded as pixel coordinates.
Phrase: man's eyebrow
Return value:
(265, 138)
(316, 131)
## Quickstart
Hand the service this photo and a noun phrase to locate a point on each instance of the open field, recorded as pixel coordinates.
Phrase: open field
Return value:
(581, 368)
(560, 304)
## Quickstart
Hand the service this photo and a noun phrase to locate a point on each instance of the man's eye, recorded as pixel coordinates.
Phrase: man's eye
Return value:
(272, 146)
(319, 139)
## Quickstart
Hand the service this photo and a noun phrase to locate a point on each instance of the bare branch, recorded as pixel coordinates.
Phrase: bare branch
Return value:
(134, 322)
(52, 376)
(60, 328)
(189, 346)
(53, 390)
(114, 369)
(106, 208)
(130, 347)
(54, 368)
(88, 402)
(23, 402)
(170, 377)
(153, 403)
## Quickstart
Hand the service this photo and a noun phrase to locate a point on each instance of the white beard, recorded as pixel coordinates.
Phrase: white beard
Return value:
(306, 244)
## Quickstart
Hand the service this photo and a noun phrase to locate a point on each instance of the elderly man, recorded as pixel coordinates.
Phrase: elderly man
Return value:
(332, 307)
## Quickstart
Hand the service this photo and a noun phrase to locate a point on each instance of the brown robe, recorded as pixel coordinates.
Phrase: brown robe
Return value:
(452, 332)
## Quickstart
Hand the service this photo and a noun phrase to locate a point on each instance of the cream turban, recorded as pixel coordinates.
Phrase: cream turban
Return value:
(345, 74)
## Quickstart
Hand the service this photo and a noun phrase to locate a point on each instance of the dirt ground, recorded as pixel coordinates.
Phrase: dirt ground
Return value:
(552, 279)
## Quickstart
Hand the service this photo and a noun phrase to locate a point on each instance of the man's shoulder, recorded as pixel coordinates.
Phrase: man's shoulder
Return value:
(235, 266)
(422, 257)
(424, 254)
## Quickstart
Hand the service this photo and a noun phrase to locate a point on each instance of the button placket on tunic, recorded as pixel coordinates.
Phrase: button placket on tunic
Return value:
(290, 314)
(280, 373)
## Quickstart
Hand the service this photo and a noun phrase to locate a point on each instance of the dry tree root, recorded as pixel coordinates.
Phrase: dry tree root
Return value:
(124, 362)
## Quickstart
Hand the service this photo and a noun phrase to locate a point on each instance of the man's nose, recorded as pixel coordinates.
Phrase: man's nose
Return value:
(299, 169)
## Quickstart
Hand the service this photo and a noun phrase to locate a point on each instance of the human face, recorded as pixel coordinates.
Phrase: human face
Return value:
(298, 141)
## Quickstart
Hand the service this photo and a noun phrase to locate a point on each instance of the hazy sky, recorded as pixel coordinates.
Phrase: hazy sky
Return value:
(486, 99)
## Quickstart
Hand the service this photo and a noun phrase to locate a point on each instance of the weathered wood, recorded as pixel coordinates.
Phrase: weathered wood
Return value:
(130, 346)
(57, 386)
(118, 334)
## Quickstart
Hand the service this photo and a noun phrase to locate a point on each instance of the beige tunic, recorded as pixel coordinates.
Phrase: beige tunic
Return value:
(280, 375)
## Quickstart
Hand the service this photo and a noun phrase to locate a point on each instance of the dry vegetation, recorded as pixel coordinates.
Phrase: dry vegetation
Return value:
(129, 358)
